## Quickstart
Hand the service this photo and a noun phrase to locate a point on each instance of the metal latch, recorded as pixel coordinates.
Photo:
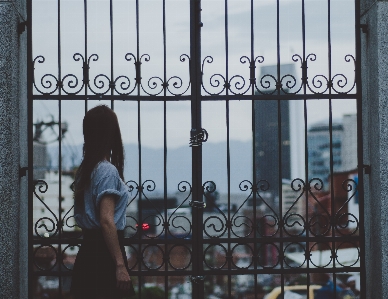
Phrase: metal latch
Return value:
(197, 204)
(196, 139)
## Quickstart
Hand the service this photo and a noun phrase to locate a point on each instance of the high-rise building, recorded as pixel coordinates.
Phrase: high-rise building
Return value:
(319, 154)
(344, 147)
(270, 164)
(349, 142)
(278, 135)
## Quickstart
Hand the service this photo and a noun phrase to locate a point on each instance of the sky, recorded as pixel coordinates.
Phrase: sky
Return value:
(45, 43)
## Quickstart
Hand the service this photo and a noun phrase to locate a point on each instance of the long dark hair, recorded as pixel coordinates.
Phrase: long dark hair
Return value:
(102, 139)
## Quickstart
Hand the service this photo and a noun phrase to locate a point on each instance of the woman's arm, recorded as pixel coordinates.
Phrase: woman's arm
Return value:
(109, 232)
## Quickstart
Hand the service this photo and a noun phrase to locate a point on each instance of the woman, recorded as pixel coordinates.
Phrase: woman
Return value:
(100, 200)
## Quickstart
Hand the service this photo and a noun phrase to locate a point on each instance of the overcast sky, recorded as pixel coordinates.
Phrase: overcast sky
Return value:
(45, 42)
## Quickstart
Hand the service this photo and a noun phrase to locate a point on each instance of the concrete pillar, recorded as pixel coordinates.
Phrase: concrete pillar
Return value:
(375, 133)
(13, 152)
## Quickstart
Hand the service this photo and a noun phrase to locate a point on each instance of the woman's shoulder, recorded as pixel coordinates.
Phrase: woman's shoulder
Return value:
(104, 169)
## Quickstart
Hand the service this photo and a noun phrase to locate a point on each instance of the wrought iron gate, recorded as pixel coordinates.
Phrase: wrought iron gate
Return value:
(295, 217)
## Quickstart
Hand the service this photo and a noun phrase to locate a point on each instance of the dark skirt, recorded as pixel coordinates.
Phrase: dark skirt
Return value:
(94, 272)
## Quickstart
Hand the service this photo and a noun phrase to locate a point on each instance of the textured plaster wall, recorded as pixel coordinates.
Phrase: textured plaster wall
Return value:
(23, 159)
(368, 4)
(375, 131)
(13, 152)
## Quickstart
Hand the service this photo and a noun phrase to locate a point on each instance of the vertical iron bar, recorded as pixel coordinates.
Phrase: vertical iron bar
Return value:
(278, 43)
(165, 151)
(30, 186)
(333, 202)
(197, 194)
(307, 249)
(253, 64)
(226, 49)
(111, 54)
(282, 219)
(254, 183)
(254, 199)
(86, 48)
(60, 222)
(228, 143)
(229, 204)
(140, 221)
(304, 83)
(332, 198)
(59, 47)
(138, 48)
(281, 224)
(360, 147)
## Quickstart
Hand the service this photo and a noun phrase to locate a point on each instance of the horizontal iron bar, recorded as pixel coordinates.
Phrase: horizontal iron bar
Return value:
(218, 271)
(265, 240)
(203, 98)
(283, 240)
(112, 97)
(279, 97)
(126, 241)
(281, 271)
(143, 273)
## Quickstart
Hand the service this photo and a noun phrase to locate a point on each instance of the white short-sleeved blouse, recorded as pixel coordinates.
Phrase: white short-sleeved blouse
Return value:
(105, 180)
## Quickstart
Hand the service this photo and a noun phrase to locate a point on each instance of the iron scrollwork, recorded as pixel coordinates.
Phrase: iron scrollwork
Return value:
(343, 219)
(40, 224)
(216, 224)
(102, 84)
(175, 224)
(179, 226)
(269, 224)
(237, 220)
(269, 84)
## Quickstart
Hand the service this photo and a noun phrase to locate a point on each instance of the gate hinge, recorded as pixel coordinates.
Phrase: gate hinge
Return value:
(364, 28)
(367, 169)
(197, 279)
(196, 139)
(22, 27)
(197, 204)
(22, 171)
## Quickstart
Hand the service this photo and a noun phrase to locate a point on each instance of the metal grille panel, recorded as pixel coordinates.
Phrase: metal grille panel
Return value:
(235, 188)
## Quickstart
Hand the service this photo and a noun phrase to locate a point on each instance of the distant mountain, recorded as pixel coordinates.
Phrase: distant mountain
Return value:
(178, 164)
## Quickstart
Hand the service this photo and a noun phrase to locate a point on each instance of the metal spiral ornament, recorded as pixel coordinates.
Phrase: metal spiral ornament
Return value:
(180, 223)
(54, 222)
(238, 220)
(149, 185)
(214, 226)
(346, 223)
